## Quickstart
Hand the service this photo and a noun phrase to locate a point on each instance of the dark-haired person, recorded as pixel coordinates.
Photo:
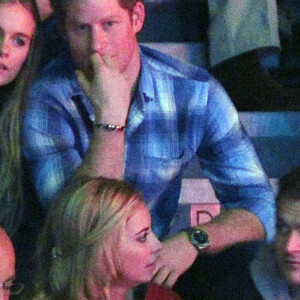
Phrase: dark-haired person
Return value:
(276, 271)
(244, 48)
(111, 108)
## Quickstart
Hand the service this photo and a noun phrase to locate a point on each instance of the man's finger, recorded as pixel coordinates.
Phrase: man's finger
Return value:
(111, 61)
(97, 62)
(170, 281)
(83, 81)
(161, 276)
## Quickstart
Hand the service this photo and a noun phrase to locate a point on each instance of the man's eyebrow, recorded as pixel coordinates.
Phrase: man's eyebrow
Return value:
(111, 17)
(104, 18)
(282, 221)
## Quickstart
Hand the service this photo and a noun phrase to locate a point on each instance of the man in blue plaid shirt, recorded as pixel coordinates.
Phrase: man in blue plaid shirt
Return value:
(108, 107)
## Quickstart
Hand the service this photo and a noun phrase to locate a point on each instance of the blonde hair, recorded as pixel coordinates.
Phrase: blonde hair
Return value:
(11, 171)
(82, 232)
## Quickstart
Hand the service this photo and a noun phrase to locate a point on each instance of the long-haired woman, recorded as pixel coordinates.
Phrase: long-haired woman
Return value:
(97, 242)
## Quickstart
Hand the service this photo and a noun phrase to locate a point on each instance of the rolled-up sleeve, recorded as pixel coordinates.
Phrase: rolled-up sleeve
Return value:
(229, 160)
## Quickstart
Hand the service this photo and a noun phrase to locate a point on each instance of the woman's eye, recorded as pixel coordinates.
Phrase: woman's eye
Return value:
(143, 238)
(19, 41)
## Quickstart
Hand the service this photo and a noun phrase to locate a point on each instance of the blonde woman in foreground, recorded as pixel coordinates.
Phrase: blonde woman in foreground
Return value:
(97, 243)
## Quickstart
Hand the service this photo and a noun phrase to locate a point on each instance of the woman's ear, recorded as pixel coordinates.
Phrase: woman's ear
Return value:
(138, 16)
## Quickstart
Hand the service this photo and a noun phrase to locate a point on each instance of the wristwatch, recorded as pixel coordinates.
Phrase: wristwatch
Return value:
(198, 238)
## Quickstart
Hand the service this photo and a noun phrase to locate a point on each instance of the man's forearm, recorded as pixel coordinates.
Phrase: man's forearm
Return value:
(228, 229)
(105, 156)
(110, 93)
(232, 227)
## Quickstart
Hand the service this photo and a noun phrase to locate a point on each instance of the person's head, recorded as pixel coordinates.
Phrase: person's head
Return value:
(107, 27)
(44, 8)
(7, 265)
(288, 227)
(97, 236)
(17, 28)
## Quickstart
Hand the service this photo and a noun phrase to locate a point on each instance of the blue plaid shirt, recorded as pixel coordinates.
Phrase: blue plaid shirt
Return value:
(179, 111)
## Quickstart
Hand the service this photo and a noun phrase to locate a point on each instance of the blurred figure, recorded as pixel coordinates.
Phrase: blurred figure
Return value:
(275, 273)
(97, 242)
(44, 8)
(244, 38)
(7, 268)
(53, 43)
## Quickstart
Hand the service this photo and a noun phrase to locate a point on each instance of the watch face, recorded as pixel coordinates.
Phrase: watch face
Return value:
(200, 236)
(200, 239)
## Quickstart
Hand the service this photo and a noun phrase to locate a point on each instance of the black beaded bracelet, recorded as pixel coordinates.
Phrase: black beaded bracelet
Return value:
(110, 127)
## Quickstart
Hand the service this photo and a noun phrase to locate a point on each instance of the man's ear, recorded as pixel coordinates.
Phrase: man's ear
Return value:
(138, 16)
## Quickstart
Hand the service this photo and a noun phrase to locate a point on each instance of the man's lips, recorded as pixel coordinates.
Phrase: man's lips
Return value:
(292, 262)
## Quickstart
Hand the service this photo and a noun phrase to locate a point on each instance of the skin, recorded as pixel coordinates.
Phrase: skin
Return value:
(288, 240)
(44, 8)
(7, 263)
(139, 249)
(17, 27)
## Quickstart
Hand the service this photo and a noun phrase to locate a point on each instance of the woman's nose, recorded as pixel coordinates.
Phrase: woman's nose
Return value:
(4, 48)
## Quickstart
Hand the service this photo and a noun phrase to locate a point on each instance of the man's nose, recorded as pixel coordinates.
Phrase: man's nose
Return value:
(1, 36)
(99, 40)
(293, 244)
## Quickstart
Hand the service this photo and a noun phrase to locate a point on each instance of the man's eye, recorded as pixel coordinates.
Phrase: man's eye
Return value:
(84, 28)
(19, 41)
(108, 24)
(282, 228)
